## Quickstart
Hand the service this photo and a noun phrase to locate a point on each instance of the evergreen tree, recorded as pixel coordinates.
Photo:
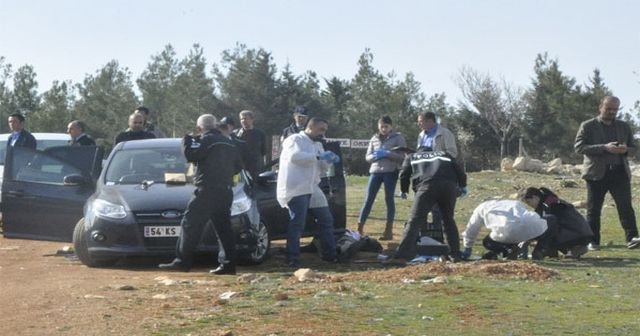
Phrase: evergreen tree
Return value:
(25, 90)
(105, 101)
(194, 94)
(55, 111)
(157, 83)
(6, 104)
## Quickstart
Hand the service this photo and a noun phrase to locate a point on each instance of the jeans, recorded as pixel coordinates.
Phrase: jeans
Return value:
(298, 208)
(616, 182)
(375, 181)
(443, 193)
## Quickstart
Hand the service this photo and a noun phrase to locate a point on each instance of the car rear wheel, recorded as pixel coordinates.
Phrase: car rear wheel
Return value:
(263, 244)
(81, 248)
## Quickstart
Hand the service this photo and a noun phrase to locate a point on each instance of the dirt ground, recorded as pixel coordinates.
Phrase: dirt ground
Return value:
(45, 292)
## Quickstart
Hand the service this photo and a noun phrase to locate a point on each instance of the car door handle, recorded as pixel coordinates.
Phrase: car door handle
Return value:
(18, 194)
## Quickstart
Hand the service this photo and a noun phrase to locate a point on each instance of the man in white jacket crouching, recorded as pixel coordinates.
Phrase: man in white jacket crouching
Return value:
(510, 223)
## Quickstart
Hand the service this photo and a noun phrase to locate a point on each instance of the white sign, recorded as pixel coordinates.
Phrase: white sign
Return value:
(359, 143)
(344, 142)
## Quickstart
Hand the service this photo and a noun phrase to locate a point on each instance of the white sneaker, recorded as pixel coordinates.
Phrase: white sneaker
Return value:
(633, 243)
(593, 247)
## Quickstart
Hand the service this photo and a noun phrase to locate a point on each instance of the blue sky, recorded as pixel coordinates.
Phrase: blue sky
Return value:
(67, 39)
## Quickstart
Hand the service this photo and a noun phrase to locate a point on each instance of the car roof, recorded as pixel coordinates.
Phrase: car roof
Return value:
(150, 143)
(41, 136)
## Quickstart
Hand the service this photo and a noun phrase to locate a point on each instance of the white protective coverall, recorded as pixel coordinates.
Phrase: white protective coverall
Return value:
(300, 170)
(509, 221)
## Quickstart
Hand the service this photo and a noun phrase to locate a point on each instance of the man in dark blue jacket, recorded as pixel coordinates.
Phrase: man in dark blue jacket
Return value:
(19, 137)
(216, 161)
(437, 179)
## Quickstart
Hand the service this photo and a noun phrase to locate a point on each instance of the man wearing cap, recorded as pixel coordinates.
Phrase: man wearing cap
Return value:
(300, 117)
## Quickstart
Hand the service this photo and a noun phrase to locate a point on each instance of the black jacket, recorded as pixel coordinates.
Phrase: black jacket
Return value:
(216, 159)
(25, 139)
(83, 140)
(423, 167)
(129, 135)
(291, 129)
(572, 226)
(253, 150)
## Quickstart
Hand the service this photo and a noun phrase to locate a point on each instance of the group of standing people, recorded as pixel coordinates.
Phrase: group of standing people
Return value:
(219, 151)
(605, 142)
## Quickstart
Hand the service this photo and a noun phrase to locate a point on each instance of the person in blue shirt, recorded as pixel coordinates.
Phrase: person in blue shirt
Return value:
(19, 137)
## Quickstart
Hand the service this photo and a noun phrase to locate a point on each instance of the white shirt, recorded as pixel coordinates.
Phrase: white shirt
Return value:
(510, 222)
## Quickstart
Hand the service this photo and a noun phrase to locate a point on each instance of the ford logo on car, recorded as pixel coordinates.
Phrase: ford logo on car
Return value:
(171, 214)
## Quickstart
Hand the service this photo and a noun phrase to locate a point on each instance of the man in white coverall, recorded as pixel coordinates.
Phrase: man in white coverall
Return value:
(510, 223)
(301, 161)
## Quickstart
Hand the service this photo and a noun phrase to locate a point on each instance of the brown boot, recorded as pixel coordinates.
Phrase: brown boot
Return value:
(388, 232)
(361, 229)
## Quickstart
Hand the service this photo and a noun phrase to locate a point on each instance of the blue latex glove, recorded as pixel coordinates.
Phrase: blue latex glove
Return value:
(462, 192)
(329, 157)
(380, 154)
(403, 195)
(466, 254)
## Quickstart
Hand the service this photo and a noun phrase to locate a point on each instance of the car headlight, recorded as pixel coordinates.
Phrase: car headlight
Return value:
(240, 205)
(106, 209)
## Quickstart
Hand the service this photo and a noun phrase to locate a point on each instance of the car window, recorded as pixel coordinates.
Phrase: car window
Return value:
(42, 168)
(41, 144)
(132, 166)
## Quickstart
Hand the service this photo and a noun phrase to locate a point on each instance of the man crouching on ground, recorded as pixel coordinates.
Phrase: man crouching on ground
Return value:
(301, 161)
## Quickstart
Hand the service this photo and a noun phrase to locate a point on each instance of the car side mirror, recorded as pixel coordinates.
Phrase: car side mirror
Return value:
(266, 177)
(76, 180)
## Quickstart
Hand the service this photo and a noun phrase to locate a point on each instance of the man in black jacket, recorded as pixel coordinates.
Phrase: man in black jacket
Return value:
(216, 160)
(300, 117)
(135, 131)
(437, 179)
(75, 129)
(255, 144)
(19, 137)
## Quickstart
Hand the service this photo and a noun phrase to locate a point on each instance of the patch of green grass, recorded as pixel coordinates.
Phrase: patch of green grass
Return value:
(596, 295)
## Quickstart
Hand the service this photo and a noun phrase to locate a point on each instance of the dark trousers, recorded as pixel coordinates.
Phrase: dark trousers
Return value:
(207, 204)
(442, 193)
(497, 247)
(616, 182)
(545, 243)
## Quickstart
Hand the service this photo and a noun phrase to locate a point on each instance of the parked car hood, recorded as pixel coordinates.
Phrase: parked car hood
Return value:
(157, 196)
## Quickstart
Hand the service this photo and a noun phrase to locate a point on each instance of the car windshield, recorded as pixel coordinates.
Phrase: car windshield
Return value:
(133, 166)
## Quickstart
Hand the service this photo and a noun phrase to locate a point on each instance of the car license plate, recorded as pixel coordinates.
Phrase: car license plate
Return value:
(161, 231)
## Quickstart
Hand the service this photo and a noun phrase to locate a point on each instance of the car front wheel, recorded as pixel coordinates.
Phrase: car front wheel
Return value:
(81, 248)
(261, 250)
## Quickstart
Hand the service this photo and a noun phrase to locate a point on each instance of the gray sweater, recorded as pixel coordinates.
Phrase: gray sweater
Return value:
(393, 161)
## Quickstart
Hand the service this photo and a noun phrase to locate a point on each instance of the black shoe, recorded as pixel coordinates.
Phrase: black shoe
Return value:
(512, 253)
(331, 260)
(176, 265)
(224, 269)
(455, 257)
(490, 256)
